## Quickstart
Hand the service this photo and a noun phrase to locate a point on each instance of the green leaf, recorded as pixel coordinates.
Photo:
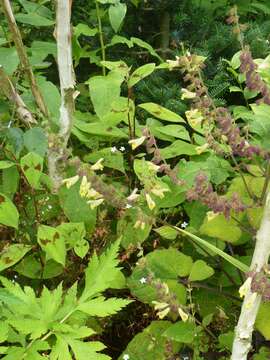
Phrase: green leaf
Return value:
(183, 332)
(102, 307)
(101, 272)
(200, 271)
(6, 164)
(34, 19)
(76, 208)
(117, 14)
(104, 90)
(32, 165)
(53, 243)
(9, 59)
(35, 141)
(112, 159)
(238, 264)
(178, 148)
(150, 344)
(161, 113)
(146, 46)
(141, 73)
(167, 232)
(11, 254)
(9, 215)
(83, 29)
(215, 226)
(51, 97)
(176, 131)
(263, 320)
(101, 129)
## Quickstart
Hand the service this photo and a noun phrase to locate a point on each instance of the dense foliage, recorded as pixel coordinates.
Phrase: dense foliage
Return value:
(139, 250)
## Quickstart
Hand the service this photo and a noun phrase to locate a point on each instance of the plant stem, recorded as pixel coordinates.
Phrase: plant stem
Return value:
(252, 301)
(17, 38)
(103, 54)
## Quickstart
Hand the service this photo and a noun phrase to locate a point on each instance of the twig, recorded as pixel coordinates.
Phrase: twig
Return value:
(17, 38)
(100, 31)
(7, 88)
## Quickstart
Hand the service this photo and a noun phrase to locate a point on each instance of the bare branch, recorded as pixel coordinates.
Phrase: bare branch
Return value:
(7, 88)
(17, 38)
(252, 301)
(66, 74)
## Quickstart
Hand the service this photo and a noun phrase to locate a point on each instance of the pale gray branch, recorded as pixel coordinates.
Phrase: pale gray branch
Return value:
(252, 301)
(7, 88)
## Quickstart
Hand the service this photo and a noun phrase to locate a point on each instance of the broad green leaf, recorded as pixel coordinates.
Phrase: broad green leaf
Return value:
(4, 164)
(4, 331)
(9, 215)
(255, 216)
(178, 148)
(112, 159)
(83, 29)
(10, 181)
(182, 332)
(146, 46)
(52, 242)
(121, 40)
(161, 113)
(167, 232)
(101, 129)
(32, 165)
(140, 74)
(215, 226)
(34, 19)
(238, 264)
(76, 208)
(35, 141)
(81, 248)
(177, 131)
(9, 59)
(102, 307)
(200, 271)
(51, 97)
(150, 344)
(117, 14)
(104, 90)
(263, 320)
(11, 254)
(41, 49)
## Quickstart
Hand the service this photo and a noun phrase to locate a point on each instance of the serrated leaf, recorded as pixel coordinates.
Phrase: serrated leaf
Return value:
(102, 307)
(200, 271)
(11, 254)
(9, 215)
(101, 271)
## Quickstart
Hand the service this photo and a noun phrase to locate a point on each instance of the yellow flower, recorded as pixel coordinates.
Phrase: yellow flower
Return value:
(93, 194)
(152, 167)
(84, 187)
(98, 165)
(139, 224)
(183, 314)
(201, 149)
(159, 191)
(186, 94)
(136, 142)
(173, 63)
(244, 289)
(150, 202)
(95, 203)
(70, 181)
(163, 308)
(133, 196)
(194, 117)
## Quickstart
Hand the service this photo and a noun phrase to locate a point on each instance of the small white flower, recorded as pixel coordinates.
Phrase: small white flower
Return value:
(136, 142)
(133, 196)
(128, 206)
(114, 149)
(98, 165)
(126, 357)
(49, 207)
(184, 225)
(122, 148)
(143, 280)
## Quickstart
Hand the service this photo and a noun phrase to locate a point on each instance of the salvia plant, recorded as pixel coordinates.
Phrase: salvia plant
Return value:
(129, 230)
